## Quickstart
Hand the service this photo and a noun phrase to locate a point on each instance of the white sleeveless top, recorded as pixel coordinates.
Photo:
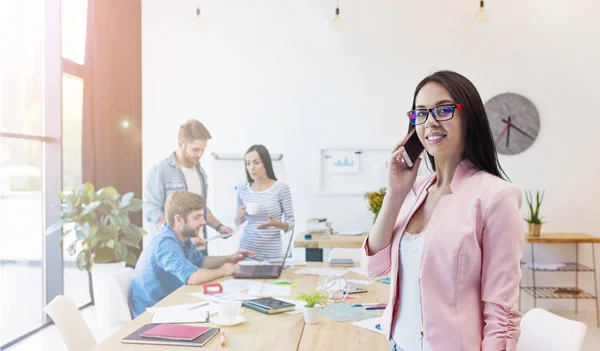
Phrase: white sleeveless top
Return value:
(408, 322)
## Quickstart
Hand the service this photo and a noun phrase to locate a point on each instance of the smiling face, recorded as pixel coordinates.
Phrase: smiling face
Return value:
(442, 139)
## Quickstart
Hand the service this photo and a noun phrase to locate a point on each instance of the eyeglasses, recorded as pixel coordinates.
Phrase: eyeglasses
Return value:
(440, 113)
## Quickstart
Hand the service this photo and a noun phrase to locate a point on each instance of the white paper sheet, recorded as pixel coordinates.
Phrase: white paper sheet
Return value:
(238, 284)
(232, 295)
(321, 271)
(183, 313)
(270, 290)
(236, 230)
(357, 270)
(369, 324)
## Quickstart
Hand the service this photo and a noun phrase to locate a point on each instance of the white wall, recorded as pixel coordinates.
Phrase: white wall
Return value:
(274, 72)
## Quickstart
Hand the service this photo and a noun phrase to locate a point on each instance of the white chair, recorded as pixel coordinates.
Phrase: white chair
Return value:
(543, 330)
(75, 333)
(122, 280)
(354, 254)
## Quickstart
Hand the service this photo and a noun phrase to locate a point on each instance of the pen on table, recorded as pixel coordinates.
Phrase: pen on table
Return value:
(369, 304)
(198, 306)
(376, 308)
(223, 339)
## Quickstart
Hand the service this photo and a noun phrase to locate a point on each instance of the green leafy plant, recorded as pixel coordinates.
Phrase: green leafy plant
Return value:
(98, 223)
(534, 206)
(315, 298)
(375, 200)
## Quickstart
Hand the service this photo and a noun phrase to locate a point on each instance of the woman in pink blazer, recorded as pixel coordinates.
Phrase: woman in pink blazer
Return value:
(451, 242)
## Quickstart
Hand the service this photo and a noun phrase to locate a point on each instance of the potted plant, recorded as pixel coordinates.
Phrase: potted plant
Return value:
(534, 220)
(313, 301)
(375, 200)
(97, 224)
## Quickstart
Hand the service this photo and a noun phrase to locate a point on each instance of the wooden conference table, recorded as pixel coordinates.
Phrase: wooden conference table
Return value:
(276, 332)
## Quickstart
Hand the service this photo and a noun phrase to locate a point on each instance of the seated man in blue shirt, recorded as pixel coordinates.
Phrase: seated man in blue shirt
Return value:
(171, 259)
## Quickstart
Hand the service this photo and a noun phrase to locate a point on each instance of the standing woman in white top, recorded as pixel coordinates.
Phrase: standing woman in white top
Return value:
(266, 203)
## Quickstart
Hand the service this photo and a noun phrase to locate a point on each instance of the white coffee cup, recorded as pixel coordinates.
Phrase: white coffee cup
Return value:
(252, 208)
(229, 310)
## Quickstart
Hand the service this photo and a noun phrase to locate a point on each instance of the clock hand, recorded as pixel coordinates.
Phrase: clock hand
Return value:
(508, 124)
(518, 129)
(508, 134)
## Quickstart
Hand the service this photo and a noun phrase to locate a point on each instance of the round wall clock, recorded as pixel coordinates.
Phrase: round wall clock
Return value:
(514, 121)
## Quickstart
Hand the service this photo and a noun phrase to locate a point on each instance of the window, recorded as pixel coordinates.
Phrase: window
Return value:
(76, 282)
(22, 85)
(32, 148)
(21, 215)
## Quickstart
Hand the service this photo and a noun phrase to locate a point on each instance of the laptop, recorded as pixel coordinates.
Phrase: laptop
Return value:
(263, 271)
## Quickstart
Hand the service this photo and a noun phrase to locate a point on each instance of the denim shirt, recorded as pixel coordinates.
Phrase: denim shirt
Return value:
(163, 179)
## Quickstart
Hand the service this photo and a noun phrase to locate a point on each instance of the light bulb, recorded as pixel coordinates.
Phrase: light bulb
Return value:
(337, 22)
(198, 17)
(482, 14)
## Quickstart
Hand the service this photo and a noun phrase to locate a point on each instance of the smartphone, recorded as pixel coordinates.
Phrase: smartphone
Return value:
(412, 148)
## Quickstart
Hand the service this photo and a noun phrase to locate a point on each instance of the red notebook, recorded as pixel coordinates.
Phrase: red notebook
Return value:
(175, 332)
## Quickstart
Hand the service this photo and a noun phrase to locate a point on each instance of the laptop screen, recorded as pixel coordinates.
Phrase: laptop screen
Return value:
(285, 255)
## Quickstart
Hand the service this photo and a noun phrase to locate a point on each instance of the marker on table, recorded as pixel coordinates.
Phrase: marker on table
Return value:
(370, 304)
(223, 339)
(376, 308)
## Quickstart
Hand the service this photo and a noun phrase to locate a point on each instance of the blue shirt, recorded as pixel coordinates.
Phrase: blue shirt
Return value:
(163, 267)
(163, 179)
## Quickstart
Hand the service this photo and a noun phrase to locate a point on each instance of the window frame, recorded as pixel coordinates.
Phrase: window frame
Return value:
(52, 157)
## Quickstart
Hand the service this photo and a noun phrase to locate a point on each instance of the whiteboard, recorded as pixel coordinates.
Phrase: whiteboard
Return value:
(355, 171)
(228, 172)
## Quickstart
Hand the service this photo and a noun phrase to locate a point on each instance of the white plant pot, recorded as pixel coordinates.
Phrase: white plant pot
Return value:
(311, 315)
(105, 298)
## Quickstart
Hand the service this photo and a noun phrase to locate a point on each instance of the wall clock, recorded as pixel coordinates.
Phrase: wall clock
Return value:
(514, 121)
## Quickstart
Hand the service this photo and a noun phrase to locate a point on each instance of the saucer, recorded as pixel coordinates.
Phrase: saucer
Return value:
(217, 320)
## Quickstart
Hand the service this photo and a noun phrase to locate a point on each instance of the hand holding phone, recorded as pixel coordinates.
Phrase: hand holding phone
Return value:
(404, 164)
(412, 148)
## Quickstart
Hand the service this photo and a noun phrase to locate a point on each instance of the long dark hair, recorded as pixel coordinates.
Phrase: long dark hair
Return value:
(480, 148)
(265, 158)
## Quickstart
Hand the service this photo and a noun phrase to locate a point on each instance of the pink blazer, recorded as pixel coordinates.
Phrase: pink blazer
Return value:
(470, 269)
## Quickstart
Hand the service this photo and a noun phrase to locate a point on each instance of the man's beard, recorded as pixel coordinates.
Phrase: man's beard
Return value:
(191, 159)
(190, 232)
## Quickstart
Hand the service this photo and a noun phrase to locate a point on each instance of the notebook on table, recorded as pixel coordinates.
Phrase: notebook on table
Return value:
(269, 305)
(171, 334)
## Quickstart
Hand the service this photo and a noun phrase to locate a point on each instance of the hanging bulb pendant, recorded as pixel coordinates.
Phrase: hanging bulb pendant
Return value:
(198, 17)
(482, 14)
(337, 22)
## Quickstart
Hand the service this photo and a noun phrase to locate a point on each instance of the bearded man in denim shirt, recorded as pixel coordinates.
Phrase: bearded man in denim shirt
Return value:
(181, 171)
